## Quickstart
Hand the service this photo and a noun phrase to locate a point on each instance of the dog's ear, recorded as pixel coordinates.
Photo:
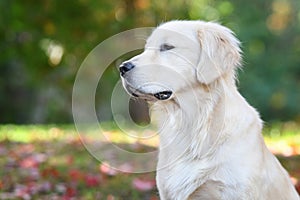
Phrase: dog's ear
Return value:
(220, 52)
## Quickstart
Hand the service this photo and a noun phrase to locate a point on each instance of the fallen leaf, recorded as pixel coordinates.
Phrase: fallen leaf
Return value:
(298, 188)
(50, 172)
(92, 180)
(75, 175)
(70, 192)
(106, 169)
(28, 162)
(153, 197)
(143, 185)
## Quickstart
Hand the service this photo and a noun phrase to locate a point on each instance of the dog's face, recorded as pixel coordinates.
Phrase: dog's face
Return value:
(179, 55)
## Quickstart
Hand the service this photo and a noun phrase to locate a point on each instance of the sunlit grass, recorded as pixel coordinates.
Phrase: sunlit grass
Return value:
(288, 131)
(281, 138)
(29, 133)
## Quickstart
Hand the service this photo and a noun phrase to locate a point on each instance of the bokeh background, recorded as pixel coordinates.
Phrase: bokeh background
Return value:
(42, 46)
(43, 43)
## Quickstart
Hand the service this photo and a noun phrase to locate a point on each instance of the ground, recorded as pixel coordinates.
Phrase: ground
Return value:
(50, 162)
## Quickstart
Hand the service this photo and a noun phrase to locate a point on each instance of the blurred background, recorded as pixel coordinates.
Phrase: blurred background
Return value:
(43, 44)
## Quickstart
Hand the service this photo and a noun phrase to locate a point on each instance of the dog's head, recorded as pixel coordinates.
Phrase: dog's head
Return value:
(179, 55)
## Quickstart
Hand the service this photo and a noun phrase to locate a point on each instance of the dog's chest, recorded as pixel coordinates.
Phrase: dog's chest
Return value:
(180, 179)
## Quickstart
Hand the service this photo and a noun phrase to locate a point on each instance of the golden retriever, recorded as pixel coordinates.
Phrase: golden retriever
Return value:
(211, 146)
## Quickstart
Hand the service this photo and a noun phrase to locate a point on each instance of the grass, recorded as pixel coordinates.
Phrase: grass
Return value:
(50, 162)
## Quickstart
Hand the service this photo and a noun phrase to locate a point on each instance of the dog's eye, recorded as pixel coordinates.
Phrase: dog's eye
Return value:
(166, 47)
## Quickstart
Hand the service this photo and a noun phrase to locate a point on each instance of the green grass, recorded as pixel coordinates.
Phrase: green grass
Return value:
(288, 131)
(29, 133)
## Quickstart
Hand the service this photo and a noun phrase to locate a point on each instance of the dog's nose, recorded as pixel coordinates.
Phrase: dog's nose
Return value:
(125, 67)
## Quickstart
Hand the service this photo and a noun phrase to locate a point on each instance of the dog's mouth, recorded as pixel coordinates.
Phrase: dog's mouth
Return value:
(147, 95)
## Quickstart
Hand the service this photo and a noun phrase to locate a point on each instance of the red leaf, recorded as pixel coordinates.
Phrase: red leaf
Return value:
(154, 197)
(50, 172)
(70, 192)
(75, 175)
(298, 187)
(92, 180)
(106, 169)
(143, 185)
(33, 161)
(28, 162)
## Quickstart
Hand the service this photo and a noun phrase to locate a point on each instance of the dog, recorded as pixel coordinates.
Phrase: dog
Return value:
(211, 146)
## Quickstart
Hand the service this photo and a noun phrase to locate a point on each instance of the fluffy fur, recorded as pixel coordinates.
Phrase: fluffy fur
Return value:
(211, 145)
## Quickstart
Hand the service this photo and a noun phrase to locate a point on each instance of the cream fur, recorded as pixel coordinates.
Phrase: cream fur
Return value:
(211, 145)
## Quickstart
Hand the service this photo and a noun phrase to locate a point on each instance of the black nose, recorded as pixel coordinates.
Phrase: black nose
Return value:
(125, 67)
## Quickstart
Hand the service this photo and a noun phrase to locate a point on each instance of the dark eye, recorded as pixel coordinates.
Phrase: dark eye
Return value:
(166, 47)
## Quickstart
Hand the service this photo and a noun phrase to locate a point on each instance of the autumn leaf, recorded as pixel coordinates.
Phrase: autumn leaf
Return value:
(70, 192)
(75, 175)
(28, 162)
(50, 172)
(143, 184)
(106, 169)
(92, 180)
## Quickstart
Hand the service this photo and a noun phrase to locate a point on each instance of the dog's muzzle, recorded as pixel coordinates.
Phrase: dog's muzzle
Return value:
(163, 95)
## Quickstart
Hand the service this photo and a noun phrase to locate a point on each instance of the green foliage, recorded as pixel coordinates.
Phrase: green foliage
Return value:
(36, 85)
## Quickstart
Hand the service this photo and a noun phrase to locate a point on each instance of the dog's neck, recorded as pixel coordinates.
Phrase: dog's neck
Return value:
(183, 122)
(191, 130)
